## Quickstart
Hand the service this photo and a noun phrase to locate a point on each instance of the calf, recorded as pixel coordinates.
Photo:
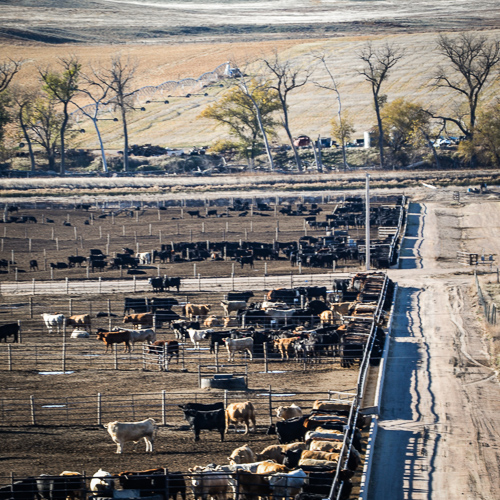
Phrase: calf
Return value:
(285, 346)
(33, 265)
(122, 432)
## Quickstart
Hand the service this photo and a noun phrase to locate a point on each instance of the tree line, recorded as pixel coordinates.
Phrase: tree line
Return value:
(254, 107)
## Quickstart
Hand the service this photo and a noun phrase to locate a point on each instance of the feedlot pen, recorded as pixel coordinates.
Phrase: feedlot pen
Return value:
(56, 391)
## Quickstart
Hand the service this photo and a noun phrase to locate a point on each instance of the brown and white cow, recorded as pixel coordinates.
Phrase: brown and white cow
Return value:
(240, 413)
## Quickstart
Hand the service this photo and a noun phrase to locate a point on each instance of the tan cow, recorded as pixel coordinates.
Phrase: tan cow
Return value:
(200, 310)
(212, 321)
(271, 468)
(340, 309)
(329, 406)
(80, 320)
(327, 318)
(141, 320)
(240, 413)
(286, 412)
(284, 346)
(319, 455)
(328, 446)
(121, 432)
(242, 455)
(318, 463)
(277, 452)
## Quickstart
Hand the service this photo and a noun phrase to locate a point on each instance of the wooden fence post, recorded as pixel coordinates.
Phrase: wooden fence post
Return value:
(116, 356)
(266, 368)
(31, 307)
(32, 405)
(19, 332)
(270, 405)
(99, 409)
(64, 349)
(164, 407)
(216, 347)
(9, 350)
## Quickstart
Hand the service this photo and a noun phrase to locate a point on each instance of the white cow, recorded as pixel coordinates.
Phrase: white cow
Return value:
(144, 257)
(102, 483)
(142, 335)
(53, 321)
(286, 485)
(232, 305)
(122, 432)
(280, 314)
(286, 412)
(208, 483)
(197, 335)
(233, 345)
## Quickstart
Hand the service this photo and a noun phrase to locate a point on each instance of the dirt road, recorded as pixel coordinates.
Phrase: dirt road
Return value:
(438, 434)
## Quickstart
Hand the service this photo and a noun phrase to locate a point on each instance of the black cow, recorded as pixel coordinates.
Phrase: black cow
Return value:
(163, 302)
(9, 330)
(98, 264)
(156, 283)
(253, 317)
(136, 305)
(317, 307)
(194, 213)
(165, 316)
(76, 259)
(172, 282)
(202, 406)
(211, 212)
(209, 420)
(239, 296)
(217, 338)
(154, 482)
(158, 348)
(24, 489)
(247, 259)
(59, 265)
(314, 292)
(289, 430)
(33, 265)
(60, 487)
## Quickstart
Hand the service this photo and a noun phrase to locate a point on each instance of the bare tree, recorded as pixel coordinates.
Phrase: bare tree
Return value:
(471, 58)
(333, 86)
(24, 99)
(377, 63)
(8, 69)
(98, 93)
(63, 87)
(285, 78)
(118, 78)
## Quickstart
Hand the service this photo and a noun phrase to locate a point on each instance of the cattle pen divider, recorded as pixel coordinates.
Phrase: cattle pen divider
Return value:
(163, 406)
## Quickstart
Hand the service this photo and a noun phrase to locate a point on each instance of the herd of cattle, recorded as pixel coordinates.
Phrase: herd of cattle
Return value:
(307, 250)
(276, 327)
(312, 451)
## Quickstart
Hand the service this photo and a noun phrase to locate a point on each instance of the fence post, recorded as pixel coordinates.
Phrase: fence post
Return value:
(109, 308)
(264, 345)
(33, 286)
(225, 401)
(19, 331)
(99, 408)
(32, 405)
(9, 349)
(116, 356)
(216, 347)
(71, 307)
(135, 284)
(270, 406)
(100, 285)
(164, 407)
(64, 349)
(31, 307)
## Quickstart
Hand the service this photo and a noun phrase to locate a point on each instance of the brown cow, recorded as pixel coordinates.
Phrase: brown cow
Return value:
(328, 446)
(200, 310)
(284, 346)
(142, 320)
(319, 455)
(169, 348)
(240, 412)
(79, 320)
(110, 338)
(340, 309)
